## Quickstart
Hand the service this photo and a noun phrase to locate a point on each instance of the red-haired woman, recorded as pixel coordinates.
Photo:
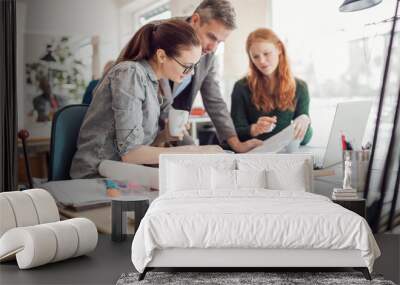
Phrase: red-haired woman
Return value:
(269, 97)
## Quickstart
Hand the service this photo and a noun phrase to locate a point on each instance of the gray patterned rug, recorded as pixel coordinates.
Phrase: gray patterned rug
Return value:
(242, 278)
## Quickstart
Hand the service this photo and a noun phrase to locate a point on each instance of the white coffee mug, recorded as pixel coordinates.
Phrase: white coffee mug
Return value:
(176, 121)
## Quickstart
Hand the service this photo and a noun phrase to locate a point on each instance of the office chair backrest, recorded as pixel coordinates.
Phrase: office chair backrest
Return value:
(64, 135)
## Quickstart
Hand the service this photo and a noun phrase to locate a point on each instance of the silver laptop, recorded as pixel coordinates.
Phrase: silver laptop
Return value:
(350, 118)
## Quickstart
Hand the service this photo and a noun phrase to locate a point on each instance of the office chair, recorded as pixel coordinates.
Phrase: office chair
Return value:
(64, 135)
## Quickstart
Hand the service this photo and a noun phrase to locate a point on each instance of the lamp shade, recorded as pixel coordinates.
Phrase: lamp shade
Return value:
(357, 5)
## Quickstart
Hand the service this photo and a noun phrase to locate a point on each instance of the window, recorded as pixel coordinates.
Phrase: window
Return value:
(138, 13)
(340, 55)
(158, 13)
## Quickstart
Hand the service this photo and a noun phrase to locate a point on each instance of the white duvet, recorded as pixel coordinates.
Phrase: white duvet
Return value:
(250, 219)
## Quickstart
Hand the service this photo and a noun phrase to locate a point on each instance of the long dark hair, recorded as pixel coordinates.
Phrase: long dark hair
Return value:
(169, 35)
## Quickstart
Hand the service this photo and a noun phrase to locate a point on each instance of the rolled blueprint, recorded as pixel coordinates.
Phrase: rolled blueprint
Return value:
(143, 175)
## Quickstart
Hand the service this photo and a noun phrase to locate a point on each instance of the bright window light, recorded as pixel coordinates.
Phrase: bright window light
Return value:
(340, 55)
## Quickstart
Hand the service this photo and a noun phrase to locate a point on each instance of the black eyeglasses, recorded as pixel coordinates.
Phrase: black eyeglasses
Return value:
(187, 68)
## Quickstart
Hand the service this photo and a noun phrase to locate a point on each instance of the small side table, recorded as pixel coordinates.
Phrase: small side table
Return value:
(357, 206)
(119, 207)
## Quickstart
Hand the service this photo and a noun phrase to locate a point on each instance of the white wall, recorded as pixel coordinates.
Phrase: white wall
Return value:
(72, 16)
(76, 17)
(64, 18)
(182, 8)
(251, 14)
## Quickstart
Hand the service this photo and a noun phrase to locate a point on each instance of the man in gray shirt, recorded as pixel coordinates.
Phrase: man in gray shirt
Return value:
(213, 21)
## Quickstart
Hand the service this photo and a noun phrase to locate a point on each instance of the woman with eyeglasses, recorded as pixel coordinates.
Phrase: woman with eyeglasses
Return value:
(123, 120)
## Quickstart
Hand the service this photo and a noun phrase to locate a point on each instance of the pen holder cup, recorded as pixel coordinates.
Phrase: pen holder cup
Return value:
(359, 167)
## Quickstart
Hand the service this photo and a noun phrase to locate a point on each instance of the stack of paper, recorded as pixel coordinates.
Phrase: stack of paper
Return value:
(344, 194)
(277, 142)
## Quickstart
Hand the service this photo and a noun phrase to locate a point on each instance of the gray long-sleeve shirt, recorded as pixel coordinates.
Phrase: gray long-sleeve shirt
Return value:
(123, 115)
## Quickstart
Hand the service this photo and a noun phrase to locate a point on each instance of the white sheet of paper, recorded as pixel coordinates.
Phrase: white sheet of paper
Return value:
(277, 142)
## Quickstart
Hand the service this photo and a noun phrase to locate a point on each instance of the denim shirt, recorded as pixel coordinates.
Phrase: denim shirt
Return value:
(123, 115)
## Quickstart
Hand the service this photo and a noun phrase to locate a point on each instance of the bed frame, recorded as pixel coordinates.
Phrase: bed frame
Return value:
(242, 259)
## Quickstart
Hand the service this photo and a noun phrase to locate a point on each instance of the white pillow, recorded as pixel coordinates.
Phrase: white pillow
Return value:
(293, 180)
(226, 179)
(181, 172)
(223, 179)
(183, 177)
(251, 179)
(283, 172)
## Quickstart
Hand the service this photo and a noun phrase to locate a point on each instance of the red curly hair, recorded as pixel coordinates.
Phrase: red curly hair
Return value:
(278, 92)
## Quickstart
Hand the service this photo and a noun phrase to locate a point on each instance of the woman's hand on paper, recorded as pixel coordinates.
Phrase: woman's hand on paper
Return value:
(264, 125)
(301, 124)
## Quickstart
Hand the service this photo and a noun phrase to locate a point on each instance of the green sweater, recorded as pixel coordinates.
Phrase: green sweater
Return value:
(244, 113)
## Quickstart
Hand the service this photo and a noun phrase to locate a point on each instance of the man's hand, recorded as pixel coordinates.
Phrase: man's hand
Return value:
(242, 147)
(301, 124)
(264, 125)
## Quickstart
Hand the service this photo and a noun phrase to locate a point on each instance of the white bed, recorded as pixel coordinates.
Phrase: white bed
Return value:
(220, 211)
